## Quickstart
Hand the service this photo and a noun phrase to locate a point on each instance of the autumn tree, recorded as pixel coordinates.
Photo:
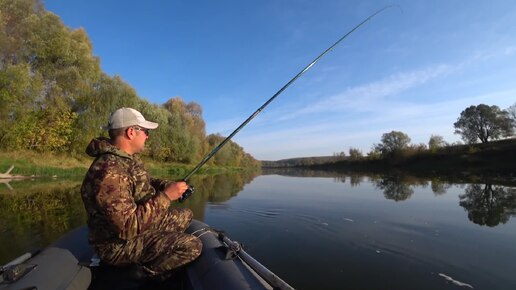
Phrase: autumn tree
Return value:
(44, 68)
(231, 154)
(187, 136)
(483, 123)
(55, 97)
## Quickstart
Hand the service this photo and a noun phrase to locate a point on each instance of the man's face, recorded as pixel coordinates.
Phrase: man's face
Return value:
(141, 135)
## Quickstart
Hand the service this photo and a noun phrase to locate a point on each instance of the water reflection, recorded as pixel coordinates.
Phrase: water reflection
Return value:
(439, 187)
(215, 189)
(34, 213)
(393, 188)
(340, 220)
(488, 204)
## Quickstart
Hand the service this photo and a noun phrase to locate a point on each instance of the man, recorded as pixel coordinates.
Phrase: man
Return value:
(129, 218)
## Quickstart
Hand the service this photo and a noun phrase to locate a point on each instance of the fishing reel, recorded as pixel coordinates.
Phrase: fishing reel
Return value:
(187, 193)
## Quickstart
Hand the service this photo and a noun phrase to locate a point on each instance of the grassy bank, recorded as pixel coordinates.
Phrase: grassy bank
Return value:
(28, 163)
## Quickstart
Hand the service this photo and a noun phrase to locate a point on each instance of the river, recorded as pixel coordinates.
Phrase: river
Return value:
(321, 230)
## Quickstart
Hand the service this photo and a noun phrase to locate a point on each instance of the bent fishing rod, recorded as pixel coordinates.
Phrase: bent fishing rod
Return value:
(206, 158)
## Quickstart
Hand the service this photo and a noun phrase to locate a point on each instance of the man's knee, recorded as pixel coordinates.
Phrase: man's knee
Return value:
(183, 213)
(196, 246)
(178, 219)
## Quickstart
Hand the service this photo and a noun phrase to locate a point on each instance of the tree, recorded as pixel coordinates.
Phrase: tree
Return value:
(483, 123)
(55, 97)
(392, 142)
(375, 152)
(355, 154)
(45, 69)
(339, 156)
(436, 142)
(187, 138)
(512, 114)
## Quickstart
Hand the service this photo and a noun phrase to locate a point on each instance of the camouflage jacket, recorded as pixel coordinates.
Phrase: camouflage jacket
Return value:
(120, 198)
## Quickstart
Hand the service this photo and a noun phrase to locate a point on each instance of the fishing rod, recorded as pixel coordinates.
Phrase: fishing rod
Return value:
(206, 158)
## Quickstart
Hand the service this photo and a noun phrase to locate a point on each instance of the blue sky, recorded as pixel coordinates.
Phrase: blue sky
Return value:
(413, 69)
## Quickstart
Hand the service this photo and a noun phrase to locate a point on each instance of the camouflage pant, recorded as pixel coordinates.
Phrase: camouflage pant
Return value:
(164, 247)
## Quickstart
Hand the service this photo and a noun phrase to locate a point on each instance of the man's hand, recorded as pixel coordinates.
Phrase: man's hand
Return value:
(175, 189)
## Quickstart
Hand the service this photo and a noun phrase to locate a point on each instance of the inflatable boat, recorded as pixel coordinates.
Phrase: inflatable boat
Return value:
(71, 263)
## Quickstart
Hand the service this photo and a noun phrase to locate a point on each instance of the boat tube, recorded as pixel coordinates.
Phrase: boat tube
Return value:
(71, 264)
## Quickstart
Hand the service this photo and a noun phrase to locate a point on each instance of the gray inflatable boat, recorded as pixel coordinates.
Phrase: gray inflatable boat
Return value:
(71, 264)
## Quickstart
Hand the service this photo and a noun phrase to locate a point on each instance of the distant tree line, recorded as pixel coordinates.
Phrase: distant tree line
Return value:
(475, 124)
(55, 97)
(302, 161)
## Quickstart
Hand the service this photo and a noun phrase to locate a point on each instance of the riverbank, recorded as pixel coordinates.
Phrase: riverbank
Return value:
(32, 164)
(494, 160)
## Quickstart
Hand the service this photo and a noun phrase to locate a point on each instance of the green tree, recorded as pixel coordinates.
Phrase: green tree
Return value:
(187, 139)
(392, 142)
(93, 109)
(436, 142)
(512, 114)
(55, 97)
(223, 156)
(339, 156)
(483, 123)
(355, 154)
(375, 152)
(231, 154)
(44, 69)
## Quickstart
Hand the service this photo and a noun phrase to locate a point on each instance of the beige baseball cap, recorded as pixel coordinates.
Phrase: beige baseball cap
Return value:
(126, 117)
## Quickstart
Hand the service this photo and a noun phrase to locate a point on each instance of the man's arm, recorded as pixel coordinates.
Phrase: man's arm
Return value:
(116, 199)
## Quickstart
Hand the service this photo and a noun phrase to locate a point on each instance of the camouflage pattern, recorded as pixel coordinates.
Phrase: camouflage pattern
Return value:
(129, 218)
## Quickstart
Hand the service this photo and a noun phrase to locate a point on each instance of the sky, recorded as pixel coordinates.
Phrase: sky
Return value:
(413, 68)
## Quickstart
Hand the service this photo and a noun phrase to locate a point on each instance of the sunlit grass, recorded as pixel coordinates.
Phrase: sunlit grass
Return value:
(29, 163)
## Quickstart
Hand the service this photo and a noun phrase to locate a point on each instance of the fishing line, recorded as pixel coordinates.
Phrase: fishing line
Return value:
(190, 190)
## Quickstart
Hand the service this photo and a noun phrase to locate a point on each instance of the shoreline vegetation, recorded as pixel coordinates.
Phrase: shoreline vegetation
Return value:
(495, 160)
(29, 164)
(55, 97)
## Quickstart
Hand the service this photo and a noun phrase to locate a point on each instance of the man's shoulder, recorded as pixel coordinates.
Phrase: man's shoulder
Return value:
(112, 162)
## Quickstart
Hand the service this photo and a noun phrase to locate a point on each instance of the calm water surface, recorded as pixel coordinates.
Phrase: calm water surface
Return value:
(331, 232)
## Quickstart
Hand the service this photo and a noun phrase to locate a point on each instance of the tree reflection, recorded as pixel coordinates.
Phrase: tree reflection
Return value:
(356, 179)
(489, 205)
(394, 188)
(36, 216)
(37, 213)
(215, 188)
(439, 187)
